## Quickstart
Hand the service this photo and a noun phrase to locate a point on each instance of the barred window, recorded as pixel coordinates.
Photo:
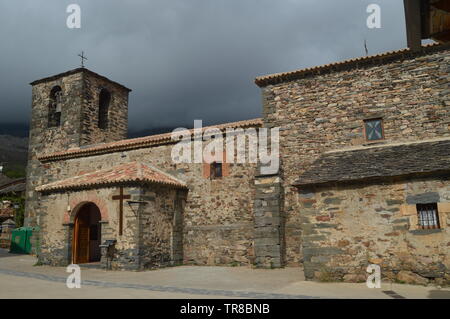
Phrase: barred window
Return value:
(428, 216)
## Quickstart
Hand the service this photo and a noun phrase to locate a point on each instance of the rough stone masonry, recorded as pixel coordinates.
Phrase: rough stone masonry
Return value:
(349, 202)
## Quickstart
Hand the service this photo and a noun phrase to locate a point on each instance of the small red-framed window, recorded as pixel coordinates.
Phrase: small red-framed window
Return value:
(216, 170)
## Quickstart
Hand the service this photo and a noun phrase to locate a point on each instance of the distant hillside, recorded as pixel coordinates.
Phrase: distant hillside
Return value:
(13, 154)
(14, 129)
(14, 148)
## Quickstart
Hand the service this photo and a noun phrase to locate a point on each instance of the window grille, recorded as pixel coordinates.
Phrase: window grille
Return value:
(428, 216)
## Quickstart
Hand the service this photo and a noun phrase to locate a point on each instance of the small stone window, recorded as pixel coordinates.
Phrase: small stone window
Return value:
(216, 170)
(373, 129)
(428, 217)
(103, 108)
(54, 108)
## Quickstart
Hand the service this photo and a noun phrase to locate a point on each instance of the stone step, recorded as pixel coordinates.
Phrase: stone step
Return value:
(96, 265)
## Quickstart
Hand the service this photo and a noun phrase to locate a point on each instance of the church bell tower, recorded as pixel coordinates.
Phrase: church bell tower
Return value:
(72, 109)
(77, 108)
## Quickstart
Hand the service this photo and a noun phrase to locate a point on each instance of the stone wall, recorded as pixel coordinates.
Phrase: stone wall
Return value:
(117, 127)
(269, 233)
(325, 111)
(346, 228)
(44, 138)
(56, 222)
(152, 229)
(161, 229)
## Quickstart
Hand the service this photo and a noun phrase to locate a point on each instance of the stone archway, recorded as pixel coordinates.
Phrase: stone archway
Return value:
(77, 201)
(86, 234)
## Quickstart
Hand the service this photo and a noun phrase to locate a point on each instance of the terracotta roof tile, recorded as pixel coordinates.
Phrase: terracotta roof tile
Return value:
(7, 212)
(377, 59)
(133, 172)
(14, 186)
(135, 143)
(4, 180)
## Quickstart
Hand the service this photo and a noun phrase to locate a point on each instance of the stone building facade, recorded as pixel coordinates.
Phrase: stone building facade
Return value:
(217, 217)
(204, 221)
(339, 202)
(342, 214)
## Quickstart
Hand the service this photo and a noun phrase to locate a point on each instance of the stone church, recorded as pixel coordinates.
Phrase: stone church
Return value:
(364, 174)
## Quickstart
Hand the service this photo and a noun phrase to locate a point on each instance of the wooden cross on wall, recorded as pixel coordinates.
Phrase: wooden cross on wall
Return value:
(120, 198)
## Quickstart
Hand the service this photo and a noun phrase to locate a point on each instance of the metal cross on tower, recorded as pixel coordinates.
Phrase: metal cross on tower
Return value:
(82, 58)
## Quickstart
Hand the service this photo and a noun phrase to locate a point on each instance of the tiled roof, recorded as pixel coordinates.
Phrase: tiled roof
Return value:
(377, 59)
(7, 212)
(74, 71)
(410, 159)
(14, 186)
(135, 143)
(127, 173)
(4, 180)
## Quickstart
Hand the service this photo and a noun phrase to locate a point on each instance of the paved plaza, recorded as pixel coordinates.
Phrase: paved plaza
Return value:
(21, 278)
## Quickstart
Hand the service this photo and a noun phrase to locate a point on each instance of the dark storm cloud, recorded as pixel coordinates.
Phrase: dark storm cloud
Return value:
(184, 59)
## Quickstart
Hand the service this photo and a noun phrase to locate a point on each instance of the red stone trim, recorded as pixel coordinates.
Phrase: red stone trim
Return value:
(79, 201)
(225, 166)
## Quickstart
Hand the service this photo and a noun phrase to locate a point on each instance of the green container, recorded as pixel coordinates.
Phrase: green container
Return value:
(21, 240)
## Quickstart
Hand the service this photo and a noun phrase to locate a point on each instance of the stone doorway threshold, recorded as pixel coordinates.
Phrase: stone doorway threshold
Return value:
(94, 265)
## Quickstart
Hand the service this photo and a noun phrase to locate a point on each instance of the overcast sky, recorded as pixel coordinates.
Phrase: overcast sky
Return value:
(184, 59)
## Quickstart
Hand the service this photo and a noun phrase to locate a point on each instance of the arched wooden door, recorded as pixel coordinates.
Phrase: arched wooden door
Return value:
(86, 239)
